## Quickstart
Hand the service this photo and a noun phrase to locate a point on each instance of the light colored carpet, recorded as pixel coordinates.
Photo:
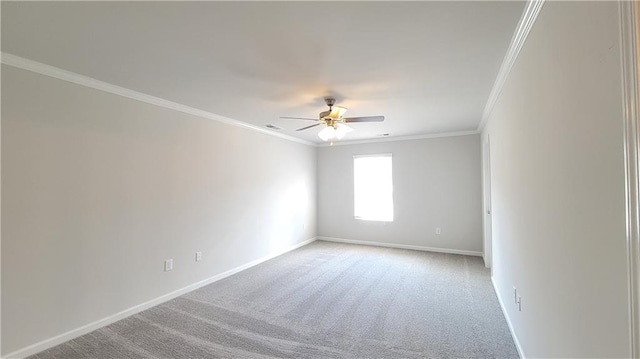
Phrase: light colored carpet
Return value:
(325, 300)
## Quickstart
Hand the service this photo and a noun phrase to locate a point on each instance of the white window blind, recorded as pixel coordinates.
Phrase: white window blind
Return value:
(373, 187)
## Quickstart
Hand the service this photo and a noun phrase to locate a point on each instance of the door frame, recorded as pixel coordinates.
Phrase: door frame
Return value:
(487, 215)
(629, 37)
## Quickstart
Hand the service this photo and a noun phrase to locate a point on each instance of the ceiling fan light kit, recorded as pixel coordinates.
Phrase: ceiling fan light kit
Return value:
(334, 132)
(335, 124)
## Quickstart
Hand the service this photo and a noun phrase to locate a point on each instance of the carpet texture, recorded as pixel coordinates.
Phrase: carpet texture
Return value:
(326, 300)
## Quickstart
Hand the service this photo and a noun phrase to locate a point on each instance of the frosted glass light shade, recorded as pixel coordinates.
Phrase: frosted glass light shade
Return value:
(342, 129)
(327, 133)
(335, 132)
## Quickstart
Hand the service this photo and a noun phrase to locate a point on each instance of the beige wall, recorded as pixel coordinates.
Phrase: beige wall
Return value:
(98, 190)
(558, 186)
(436, 183)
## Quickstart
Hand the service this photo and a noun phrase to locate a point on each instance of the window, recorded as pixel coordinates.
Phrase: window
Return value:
(373, 187)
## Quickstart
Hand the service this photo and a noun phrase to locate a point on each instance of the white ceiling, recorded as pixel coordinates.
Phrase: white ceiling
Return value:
(428, 67)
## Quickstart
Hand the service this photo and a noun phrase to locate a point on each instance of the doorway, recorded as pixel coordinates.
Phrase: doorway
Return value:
(487, 215)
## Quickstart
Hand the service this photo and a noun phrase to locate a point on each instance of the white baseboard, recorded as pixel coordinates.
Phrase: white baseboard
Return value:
(402, 246)
(506, 317)
(59, 339)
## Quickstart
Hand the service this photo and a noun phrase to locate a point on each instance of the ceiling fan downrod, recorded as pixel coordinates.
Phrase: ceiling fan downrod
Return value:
(330, 101)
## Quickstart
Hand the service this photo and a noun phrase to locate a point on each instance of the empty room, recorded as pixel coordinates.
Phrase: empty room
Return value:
(320, 179)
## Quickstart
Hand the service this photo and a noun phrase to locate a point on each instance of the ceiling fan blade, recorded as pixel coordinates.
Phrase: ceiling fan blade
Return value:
(304, 128)
(299, 118)
(337, 112)
(364, 119)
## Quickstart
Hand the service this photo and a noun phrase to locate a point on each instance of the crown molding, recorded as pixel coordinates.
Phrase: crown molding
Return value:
(629, 37)
(400, 138)
(51, 71)
(525, 24)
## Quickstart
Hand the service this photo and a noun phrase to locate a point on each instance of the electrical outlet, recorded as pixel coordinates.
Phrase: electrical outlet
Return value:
(438, 231)
(198, 256)
(168, 265)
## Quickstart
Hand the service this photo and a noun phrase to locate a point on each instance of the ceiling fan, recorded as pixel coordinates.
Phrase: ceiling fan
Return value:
(336, 128)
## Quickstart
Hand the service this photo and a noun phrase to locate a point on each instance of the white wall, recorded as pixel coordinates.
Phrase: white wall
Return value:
(98, 190)
(558, 186)
(436, 183)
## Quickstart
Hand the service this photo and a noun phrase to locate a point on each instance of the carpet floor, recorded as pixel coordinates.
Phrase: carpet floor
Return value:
(328, 300)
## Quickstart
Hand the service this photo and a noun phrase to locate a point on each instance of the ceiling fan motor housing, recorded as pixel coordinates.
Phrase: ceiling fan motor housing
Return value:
(330, 101)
